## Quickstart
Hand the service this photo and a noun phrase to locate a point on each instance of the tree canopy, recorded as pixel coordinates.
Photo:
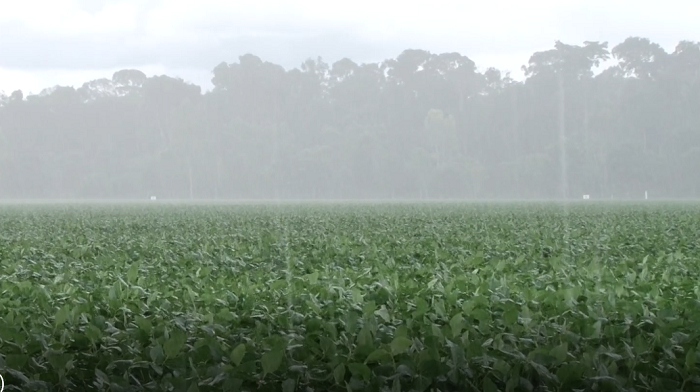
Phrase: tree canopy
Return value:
(422, 125)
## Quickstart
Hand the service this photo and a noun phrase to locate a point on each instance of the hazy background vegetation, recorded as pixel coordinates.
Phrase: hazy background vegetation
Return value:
(422, 125)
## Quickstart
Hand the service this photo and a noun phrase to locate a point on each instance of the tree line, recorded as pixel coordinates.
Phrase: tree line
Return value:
(421, 125)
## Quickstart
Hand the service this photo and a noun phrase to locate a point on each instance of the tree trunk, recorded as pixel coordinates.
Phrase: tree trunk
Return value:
(189, 177)
(562, 140)
(217, 182)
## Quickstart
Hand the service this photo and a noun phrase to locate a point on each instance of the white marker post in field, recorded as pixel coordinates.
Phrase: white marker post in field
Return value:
(646, 195)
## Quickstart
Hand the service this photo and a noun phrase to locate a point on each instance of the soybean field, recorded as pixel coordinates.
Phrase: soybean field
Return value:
(377, 297)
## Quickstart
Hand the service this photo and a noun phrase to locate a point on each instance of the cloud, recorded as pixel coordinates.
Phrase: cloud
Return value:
(63, 18)
(182, 33)
(70, 37)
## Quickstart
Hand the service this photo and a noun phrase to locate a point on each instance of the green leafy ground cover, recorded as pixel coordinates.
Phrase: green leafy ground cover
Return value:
(350, 298)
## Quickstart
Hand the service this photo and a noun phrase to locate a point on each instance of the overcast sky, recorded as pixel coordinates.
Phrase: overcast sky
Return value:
(68, 42)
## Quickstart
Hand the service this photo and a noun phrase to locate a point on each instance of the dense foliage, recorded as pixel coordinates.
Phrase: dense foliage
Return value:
(422, 125)
(350, 298)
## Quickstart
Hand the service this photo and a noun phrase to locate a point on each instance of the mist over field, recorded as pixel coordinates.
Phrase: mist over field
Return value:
(421, 125)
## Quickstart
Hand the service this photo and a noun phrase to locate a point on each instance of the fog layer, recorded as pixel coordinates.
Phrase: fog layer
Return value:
(422, 125)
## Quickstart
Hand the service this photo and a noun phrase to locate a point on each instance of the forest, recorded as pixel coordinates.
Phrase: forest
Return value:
(418, 126)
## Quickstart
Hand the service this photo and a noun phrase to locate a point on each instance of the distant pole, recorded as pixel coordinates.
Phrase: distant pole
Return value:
(646, 195)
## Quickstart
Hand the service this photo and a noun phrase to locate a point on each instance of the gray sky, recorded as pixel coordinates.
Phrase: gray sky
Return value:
(69, 42)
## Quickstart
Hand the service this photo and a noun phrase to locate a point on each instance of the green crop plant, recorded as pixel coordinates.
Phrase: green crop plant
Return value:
(432, 297)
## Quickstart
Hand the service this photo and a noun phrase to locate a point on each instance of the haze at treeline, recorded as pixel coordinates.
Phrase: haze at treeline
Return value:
(421, 125)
